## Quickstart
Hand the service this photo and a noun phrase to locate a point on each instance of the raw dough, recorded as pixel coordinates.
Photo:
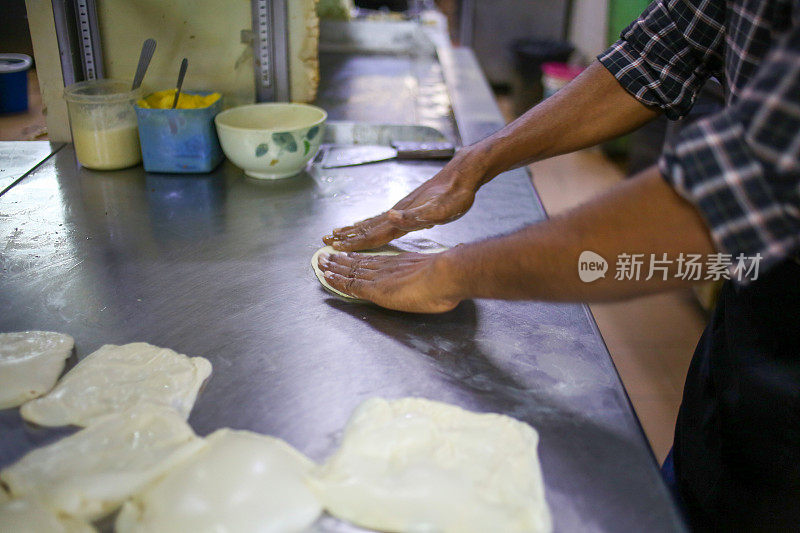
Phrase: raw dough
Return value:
(419, 465)
(420, 246)
(117, 378)
(30, 363)
(28, 516)
(240, 482)
(90, 473)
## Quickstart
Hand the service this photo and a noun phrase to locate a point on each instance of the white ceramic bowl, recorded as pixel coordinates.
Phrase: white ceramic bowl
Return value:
(271, 141)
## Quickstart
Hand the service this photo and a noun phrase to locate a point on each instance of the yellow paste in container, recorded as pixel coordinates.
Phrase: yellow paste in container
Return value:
(107, 148)
(163, 100)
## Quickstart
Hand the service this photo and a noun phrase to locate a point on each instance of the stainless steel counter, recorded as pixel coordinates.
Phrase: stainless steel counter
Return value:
(218, 265)
(19, 158)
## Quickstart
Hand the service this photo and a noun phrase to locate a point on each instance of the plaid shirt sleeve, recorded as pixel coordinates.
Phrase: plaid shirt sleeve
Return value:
(665, 56)
(741, 167)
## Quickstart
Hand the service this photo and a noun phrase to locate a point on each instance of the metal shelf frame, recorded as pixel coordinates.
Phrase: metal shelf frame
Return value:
(81, 52)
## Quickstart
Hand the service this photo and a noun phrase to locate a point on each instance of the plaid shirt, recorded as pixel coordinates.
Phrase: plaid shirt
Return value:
(740, 167)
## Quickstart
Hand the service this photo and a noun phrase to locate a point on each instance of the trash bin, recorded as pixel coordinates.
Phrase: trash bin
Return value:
(555, 76)
(529, 55)
(14, 82)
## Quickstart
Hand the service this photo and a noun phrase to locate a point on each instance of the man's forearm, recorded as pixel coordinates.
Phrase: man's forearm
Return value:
(642, 215)
(591, 109)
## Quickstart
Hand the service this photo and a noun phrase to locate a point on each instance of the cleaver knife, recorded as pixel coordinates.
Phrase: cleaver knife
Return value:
(352, 155)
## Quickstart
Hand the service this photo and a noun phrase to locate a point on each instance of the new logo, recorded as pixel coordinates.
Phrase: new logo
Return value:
(591, 266)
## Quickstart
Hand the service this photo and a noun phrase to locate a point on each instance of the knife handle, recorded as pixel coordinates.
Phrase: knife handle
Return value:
(424, 150)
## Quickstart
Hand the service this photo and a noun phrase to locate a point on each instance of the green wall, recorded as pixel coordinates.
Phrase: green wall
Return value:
(621, 13)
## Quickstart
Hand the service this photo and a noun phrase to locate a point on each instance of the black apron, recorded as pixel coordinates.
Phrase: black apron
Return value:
(737, 439)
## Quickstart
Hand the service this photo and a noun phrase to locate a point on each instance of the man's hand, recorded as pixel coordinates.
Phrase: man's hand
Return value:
(592, 108)
(412, 282)
(540, 262)
(443, 198)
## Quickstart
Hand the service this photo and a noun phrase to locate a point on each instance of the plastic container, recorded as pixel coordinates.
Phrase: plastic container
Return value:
(14, 82)
(180, 140)
(556, 75)
(103, 123)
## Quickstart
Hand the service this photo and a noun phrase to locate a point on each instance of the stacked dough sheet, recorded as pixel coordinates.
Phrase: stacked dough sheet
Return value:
(403, 465)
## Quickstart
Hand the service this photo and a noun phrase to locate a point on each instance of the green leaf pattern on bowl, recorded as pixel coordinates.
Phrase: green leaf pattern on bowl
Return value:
(285, 141)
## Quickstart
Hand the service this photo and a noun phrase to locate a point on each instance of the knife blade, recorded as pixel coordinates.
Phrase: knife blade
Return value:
(348, 156)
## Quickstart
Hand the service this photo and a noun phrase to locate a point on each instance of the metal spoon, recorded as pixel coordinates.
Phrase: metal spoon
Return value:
(148, 47)
(181, 75)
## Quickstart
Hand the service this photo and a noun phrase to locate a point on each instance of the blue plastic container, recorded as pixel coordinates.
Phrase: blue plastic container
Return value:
(14, 82)
(179, 140)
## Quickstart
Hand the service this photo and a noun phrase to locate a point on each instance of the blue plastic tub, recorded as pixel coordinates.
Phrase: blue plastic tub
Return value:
(179, 140)
(14, 82)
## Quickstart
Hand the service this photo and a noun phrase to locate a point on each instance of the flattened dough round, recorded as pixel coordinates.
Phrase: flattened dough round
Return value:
(321, 276)
(240, 482)
(419, 465)
(117, 378)
(90, 473)
(420, 246)
(29, 516)
(30, 363)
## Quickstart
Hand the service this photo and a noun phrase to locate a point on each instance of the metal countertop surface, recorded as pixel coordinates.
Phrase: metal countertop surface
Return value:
(218, 265)
(19, 158)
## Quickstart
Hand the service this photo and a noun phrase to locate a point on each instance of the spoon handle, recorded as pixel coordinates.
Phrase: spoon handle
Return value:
(148, 47)
(181, 75)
